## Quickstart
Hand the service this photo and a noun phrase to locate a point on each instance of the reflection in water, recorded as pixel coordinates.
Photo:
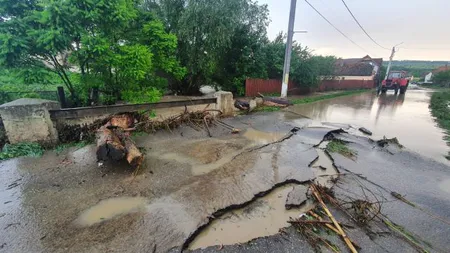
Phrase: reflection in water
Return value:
(406, 117)
(389, 104)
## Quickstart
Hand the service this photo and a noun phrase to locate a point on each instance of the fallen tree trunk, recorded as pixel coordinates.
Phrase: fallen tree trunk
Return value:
(134, 155)
(109, 145)
(114, 143)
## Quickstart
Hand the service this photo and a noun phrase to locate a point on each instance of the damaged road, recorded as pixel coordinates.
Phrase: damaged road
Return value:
(193, 191)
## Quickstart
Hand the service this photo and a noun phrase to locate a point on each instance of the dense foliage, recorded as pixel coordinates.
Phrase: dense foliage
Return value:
(137, 49)
(418, 69)
(442, 78)
(440, 109)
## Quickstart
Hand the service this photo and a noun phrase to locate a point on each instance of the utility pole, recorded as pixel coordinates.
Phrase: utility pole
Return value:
(287, 55)
(390, 60)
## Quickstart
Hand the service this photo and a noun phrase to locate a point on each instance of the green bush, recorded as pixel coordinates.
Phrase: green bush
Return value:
(149, 95)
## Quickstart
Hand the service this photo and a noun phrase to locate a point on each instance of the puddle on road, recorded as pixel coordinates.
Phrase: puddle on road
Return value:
(198, 168)
(262, 137)
(264, 217)
(110, 208)
(445, 185)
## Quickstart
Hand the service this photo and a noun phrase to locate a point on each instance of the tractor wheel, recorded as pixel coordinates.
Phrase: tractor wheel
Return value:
(383, 90)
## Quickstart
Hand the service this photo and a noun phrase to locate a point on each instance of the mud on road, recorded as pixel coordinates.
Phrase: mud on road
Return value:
(197, 192)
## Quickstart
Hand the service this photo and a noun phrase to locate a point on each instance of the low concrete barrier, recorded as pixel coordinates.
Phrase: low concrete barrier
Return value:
(34, 120)
(28, 120)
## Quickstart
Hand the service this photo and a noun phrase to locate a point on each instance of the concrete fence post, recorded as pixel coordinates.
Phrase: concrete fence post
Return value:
(225, 102)
(28, 120)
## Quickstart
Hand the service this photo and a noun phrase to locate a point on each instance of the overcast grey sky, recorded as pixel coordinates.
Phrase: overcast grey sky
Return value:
(423, 26)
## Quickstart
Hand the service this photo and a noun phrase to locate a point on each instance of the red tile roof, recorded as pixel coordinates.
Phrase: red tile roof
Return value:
(356, 66)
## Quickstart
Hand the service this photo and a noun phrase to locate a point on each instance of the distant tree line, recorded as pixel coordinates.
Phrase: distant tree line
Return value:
(137, 49)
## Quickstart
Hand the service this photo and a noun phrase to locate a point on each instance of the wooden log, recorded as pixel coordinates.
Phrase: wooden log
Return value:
(109, 145)
(123, 121)
(134, 155)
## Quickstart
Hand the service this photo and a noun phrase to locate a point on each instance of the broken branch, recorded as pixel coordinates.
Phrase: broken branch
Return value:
(336, 224)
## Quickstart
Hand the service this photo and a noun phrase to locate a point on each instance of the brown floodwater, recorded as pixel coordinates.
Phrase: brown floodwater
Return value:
(264, 217)
(406, 117)
(110, 208)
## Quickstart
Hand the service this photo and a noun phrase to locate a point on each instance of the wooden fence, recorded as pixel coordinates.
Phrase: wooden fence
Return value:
(253, 86)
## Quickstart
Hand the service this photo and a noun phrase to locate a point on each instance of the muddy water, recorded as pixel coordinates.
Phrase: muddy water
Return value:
(110, 208)
(263, 217)
(406, 117)
(262, 137)
(267, 215)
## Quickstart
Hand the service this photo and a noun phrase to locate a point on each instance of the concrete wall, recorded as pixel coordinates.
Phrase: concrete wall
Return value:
(28, 120)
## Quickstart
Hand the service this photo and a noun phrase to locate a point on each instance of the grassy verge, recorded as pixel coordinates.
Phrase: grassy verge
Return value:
(440, 109)
(34, 149)
(326, 96)
(21, 149)
(312, 99)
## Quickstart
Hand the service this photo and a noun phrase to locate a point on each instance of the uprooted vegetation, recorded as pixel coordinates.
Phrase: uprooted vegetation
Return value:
(144, 123)
(338, 146)
(320, 224)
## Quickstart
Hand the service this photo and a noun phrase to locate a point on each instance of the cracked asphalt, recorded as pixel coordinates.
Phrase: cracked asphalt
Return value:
(65, 203)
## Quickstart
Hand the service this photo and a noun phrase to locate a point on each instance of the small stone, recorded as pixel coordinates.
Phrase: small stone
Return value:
(252, 105)
(296, 197)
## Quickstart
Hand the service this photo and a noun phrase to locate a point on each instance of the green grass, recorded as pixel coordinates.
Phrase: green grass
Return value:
(340, 147)
(439, 105)
(268, 109)
(326, 96)
(21, 149)
(312, 99)
(34, 149)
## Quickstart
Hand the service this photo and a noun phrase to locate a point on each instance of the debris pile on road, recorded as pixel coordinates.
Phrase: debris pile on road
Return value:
(363, 212)
(260, 101)
(113, 138)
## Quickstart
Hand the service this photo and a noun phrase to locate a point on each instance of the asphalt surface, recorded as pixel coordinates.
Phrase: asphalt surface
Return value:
(66, 203)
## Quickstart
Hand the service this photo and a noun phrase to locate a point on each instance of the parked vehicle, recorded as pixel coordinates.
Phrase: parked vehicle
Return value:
(396, 81)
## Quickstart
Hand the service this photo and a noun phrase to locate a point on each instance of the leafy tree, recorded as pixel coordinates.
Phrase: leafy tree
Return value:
(217, 40)
(35, 34)
(112, 43)
(306, 69)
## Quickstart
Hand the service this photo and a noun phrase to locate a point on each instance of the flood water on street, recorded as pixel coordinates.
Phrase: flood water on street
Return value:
(406, 117)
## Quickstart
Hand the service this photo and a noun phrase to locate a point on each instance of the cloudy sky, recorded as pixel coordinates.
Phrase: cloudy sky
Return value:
(423, 26)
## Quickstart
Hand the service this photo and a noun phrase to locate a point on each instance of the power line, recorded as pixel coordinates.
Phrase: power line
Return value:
(356, 20)
(343, 34)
